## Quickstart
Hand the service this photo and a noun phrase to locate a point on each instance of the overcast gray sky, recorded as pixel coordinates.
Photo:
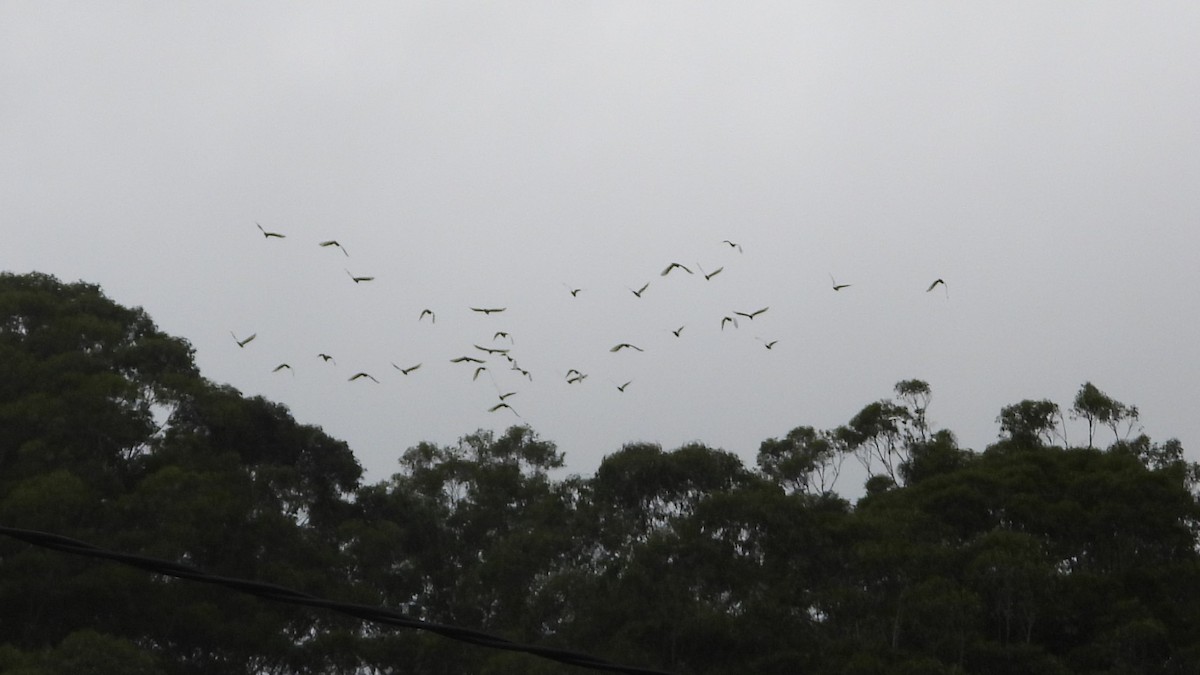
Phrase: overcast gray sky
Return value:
(1043, 158)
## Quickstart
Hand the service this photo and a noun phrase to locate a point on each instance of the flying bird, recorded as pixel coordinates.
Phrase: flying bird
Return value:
(269, 235)
(573, 371)
(573, 291)
(502, 404)
(728, 319)
(406, 370)
(467, 359)
(333, 242)
(621, 387)
(836, 285)
(733, 245)
(770, 344)
(641, 290)
(243, 343)
(488, 310)
(432, 316)
(501, 334)
(492, 350)
(281, 366)
(944, 287)
(359, 376)
(478, 370)
(326, 358)
(672, 266)
(709, 275)
(624, 345)
(359, 279)
(504, 396)
(751, 315)
(577, 378)
(679, 330)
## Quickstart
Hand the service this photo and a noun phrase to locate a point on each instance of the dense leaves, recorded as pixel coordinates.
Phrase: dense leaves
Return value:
(1025, 557)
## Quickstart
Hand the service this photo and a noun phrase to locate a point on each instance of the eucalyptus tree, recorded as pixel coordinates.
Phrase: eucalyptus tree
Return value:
(1031, 423)
(1097, 408)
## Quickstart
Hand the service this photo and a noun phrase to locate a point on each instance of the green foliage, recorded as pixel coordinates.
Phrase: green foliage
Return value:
(1030, 423)
(1024, 558)
(1097, 408)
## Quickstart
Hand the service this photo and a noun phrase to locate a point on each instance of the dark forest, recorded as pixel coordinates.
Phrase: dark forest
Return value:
(1026, 556)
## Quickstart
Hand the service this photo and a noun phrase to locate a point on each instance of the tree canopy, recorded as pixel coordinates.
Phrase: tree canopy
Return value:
(1026, 556)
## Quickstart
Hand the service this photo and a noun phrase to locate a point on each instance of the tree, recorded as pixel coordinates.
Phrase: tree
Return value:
(1030, 423)
(112, 436)
(876, 436)
(915, 395)
(806, 460)
(84, 382)
(1097, 408)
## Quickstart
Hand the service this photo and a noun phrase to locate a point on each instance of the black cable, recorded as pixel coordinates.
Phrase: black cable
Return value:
(281, 594)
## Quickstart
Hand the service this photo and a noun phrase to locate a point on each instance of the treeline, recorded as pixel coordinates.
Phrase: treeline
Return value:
(1026, 557)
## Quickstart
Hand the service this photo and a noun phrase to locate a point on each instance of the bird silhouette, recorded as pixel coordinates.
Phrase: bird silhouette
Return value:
(492, 350)
(504, 396)
(406, 370)
(359, 376)
(488, 310)
(478, 370)
(728, 319)
(672, 266)
(709, 275)
(359, 279)
(281, 366)
(502, 404)
(578, 378)
(836, 285)
(269, 235)
(333, 242)
(501, 334)
(467, 359)
(732, 245)
(641, 290)
(573, 291)
(679, 330)
(326, 358)
(243, 343)
(621, 387)
(753, 314)
(944, 287)
(625, 345)
(432, 316)
(770, 344)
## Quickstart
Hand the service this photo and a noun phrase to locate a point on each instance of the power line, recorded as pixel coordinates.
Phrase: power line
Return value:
(277, 593)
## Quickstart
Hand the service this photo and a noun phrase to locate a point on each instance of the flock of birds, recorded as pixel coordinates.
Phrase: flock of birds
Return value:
(484, 357)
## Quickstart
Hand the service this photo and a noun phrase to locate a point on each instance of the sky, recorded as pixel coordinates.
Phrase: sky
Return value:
(1042, 158)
